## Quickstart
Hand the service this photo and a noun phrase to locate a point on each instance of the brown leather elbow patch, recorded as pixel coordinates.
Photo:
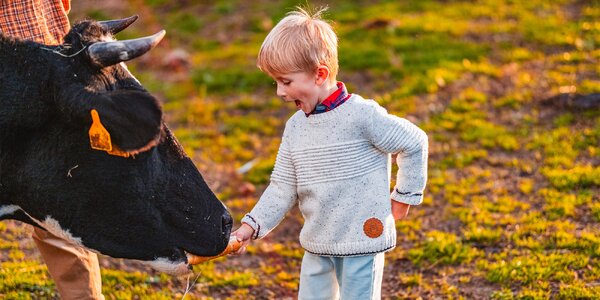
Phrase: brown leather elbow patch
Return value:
(373, 227)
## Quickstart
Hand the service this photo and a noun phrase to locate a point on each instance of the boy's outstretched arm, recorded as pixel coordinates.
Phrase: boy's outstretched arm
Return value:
(279, 197)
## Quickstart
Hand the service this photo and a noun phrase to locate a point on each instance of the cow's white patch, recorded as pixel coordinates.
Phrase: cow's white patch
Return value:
(164, 265)
(53, 227)
(8, 209)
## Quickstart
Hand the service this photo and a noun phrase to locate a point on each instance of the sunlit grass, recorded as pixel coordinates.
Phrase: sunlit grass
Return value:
(442, 248)
(534, 268)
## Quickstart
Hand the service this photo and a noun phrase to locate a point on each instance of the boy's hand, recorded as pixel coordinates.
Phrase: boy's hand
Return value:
(244, 235)
(399, 210)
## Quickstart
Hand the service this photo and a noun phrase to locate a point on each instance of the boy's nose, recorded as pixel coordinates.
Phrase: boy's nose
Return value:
(280, 93)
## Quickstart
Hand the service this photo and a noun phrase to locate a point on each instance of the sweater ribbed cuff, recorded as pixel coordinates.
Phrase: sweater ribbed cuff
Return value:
(411, 198)
(251, 221)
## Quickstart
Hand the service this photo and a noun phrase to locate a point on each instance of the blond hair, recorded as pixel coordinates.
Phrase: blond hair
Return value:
(300, 42)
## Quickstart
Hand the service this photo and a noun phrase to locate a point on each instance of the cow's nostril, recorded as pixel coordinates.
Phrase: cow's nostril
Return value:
(226, 221)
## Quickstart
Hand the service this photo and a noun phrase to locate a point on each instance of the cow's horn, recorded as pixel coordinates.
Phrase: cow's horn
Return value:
(115, 26)
(105, 54)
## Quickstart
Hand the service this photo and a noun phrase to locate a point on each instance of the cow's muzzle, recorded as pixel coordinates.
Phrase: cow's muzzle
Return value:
(233, 246)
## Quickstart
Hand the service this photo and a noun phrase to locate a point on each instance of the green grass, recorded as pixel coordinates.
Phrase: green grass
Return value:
(531, 269)
(442, 248)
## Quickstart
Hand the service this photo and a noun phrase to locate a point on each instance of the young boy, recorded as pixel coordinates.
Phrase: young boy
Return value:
(334, 161)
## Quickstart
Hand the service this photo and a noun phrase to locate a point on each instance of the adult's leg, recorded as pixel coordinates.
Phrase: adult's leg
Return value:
(75, 270)
(317, 278)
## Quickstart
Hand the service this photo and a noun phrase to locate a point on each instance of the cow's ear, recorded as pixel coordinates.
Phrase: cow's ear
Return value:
(132, 117)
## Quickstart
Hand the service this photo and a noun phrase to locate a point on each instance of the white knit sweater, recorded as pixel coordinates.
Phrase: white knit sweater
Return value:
(337, 166)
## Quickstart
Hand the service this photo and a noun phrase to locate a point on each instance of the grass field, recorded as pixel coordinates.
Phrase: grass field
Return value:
(512, 206)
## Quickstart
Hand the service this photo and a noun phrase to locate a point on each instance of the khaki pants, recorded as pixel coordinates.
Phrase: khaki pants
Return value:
(75, 270)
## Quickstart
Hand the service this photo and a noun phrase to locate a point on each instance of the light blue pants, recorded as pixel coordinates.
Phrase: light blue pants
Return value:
(352, 278)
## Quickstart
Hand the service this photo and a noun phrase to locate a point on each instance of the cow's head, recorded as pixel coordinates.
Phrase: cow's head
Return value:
(152, 206)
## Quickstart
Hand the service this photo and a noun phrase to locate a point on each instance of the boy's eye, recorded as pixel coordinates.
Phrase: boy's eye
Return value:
(281, 82)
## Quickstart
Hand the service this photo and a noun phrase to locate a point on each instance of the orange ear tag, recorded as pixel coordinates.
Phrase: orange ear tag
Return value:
(100, 138)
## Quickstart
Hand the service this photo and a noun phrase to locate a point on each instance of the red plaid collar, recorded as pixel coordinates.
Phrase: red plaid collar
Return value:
(334, 100)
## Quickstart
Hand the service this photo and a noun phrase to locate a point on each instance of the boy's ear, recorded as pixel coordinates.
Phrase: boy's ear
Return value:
(322, 74)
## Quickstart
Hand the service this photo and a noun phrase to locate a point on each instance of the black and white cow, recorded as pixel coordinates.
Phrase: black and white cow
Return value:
(153, 206)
